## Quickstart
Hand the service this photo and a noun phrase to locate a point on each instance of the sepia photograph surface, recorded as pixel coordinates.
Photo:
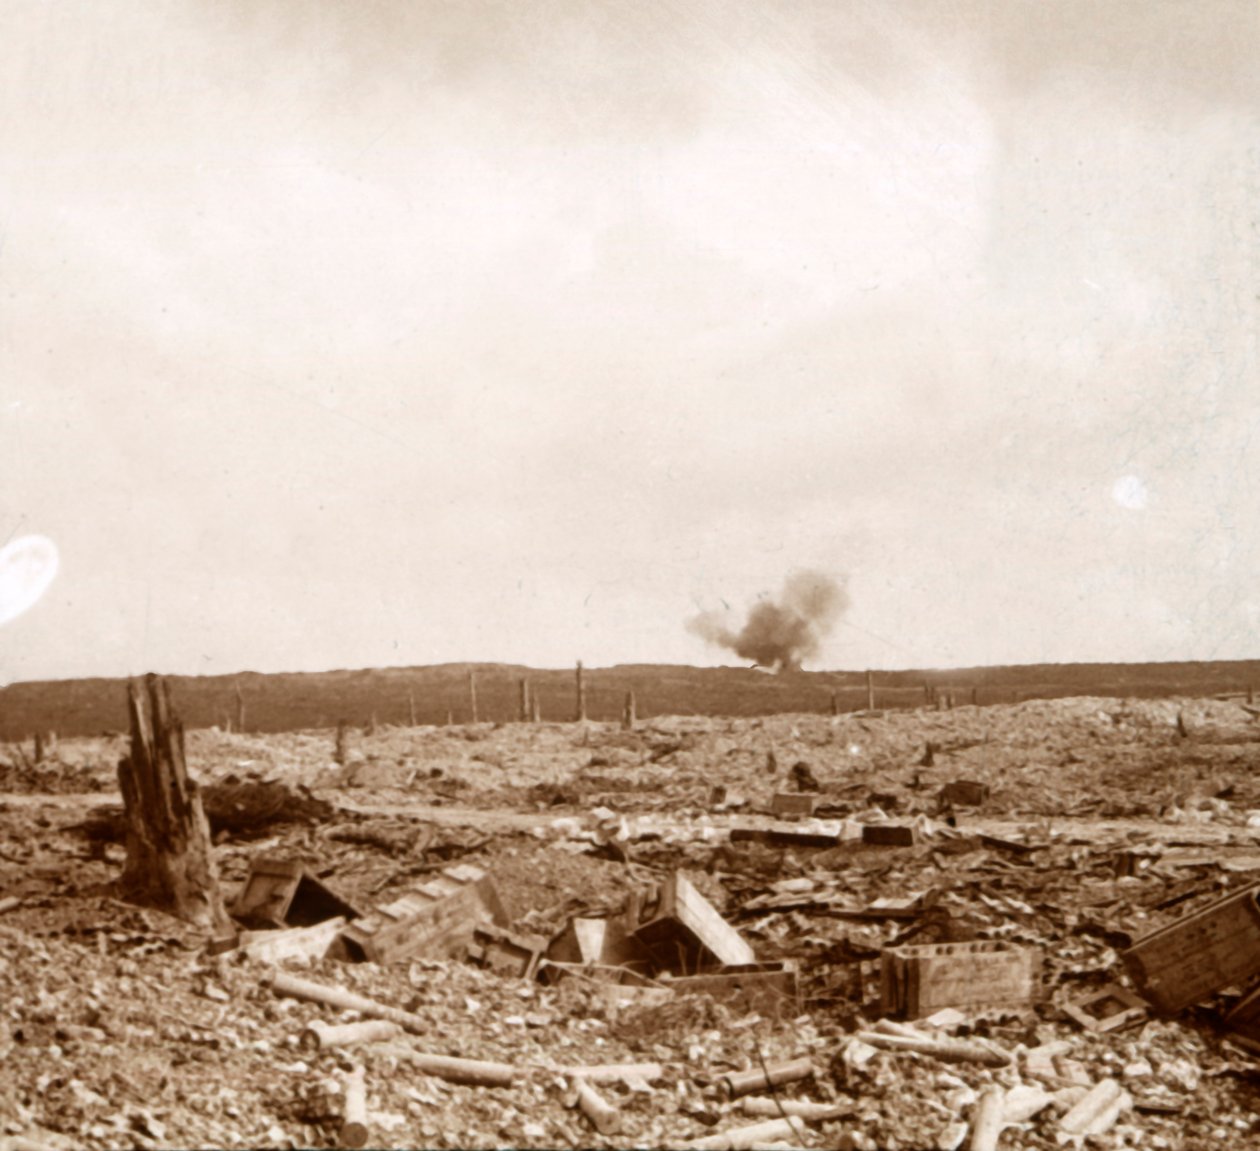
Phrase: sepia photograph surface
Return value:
(629, 575)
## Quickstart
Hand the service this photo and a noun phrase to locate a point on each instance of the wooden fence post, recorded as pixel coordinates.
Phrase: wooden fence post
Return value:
(169, 860)
(240, 709)
(581, 695)
(472, 693)
(535, 708)
(628, 716)
(522, 709)
(870, 691)
(835, 702)
(339, 748)
(411, 707)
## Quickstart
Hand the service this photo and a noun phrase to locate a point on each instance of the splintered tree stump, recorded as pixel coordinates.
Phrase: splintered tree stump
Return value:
(169, 862)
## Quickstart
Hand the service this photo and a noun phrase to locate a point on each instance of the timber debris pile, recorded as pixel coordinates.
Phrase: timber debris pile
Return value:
(1017, 926)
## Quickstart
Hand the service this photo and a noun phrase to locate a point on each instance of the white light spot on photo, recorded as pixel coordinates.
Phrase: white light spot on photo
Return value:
(1129, 492)
(28, 565)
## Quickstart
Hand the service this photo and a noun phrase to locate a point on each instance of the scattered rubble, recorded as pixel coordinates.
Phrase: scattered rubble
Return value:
(1052, 942)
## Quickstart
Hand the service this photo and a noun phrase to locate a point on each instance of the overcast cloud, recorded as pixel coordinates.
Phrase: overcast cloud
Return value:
(351, 334)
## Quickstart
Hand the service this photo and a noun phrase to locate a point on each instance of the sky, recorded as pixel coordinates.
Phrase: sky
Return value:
(371, 333)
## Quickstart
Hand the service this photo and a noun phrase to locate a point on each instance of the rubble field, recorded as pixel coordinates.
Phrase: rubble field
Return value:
(900, 929)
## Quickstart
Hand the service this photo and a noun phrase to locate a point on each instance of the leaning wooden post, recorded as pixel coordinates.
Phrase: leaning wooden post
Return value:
(870, 691)
(628, 715)
(169, 860)
(472, 694)
(240, 709)
(522, 710)
(411, 707)
(581, 695)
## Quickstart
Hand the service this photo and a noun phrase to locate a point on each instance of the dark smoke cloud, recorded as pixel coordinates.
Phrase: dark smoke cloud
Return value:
(781, 635)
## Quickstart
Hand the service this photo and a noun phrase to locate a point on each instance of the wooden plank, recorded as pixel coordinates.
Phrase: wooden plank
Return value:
(283, 893)
(267, 892)
(682, 928)
(784, 835)
(794, 804)
(296, 943)
(1186, 961)
(597, 942)
(437, 921)
(890, 834)
(510, 953)
(964, 793)
(769, 989)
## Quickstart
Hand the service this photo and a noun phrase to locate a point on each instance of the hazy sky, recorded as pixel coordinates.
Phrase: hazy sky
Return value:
(384, 332)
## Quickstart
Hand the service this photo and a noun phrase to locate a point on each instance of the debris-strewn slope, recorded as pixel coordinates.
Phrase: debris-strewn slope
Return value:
(1102, 819)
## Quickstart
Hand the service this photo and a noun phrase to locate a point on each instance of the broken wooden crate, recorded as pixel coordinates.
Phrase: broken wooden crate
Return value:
(890, 834)
(917, 980)
(683, 931)
(964, 793)
(436, 920)
(768, 989)
(512, 954)
(794, 804)
(1110, 1008)
(603, 944)
(1184, 962)
(283, 893)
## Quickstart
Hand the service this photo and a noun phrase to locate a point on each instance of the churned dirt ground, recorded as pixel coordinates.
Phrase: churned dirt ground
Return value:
(1104, 818)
